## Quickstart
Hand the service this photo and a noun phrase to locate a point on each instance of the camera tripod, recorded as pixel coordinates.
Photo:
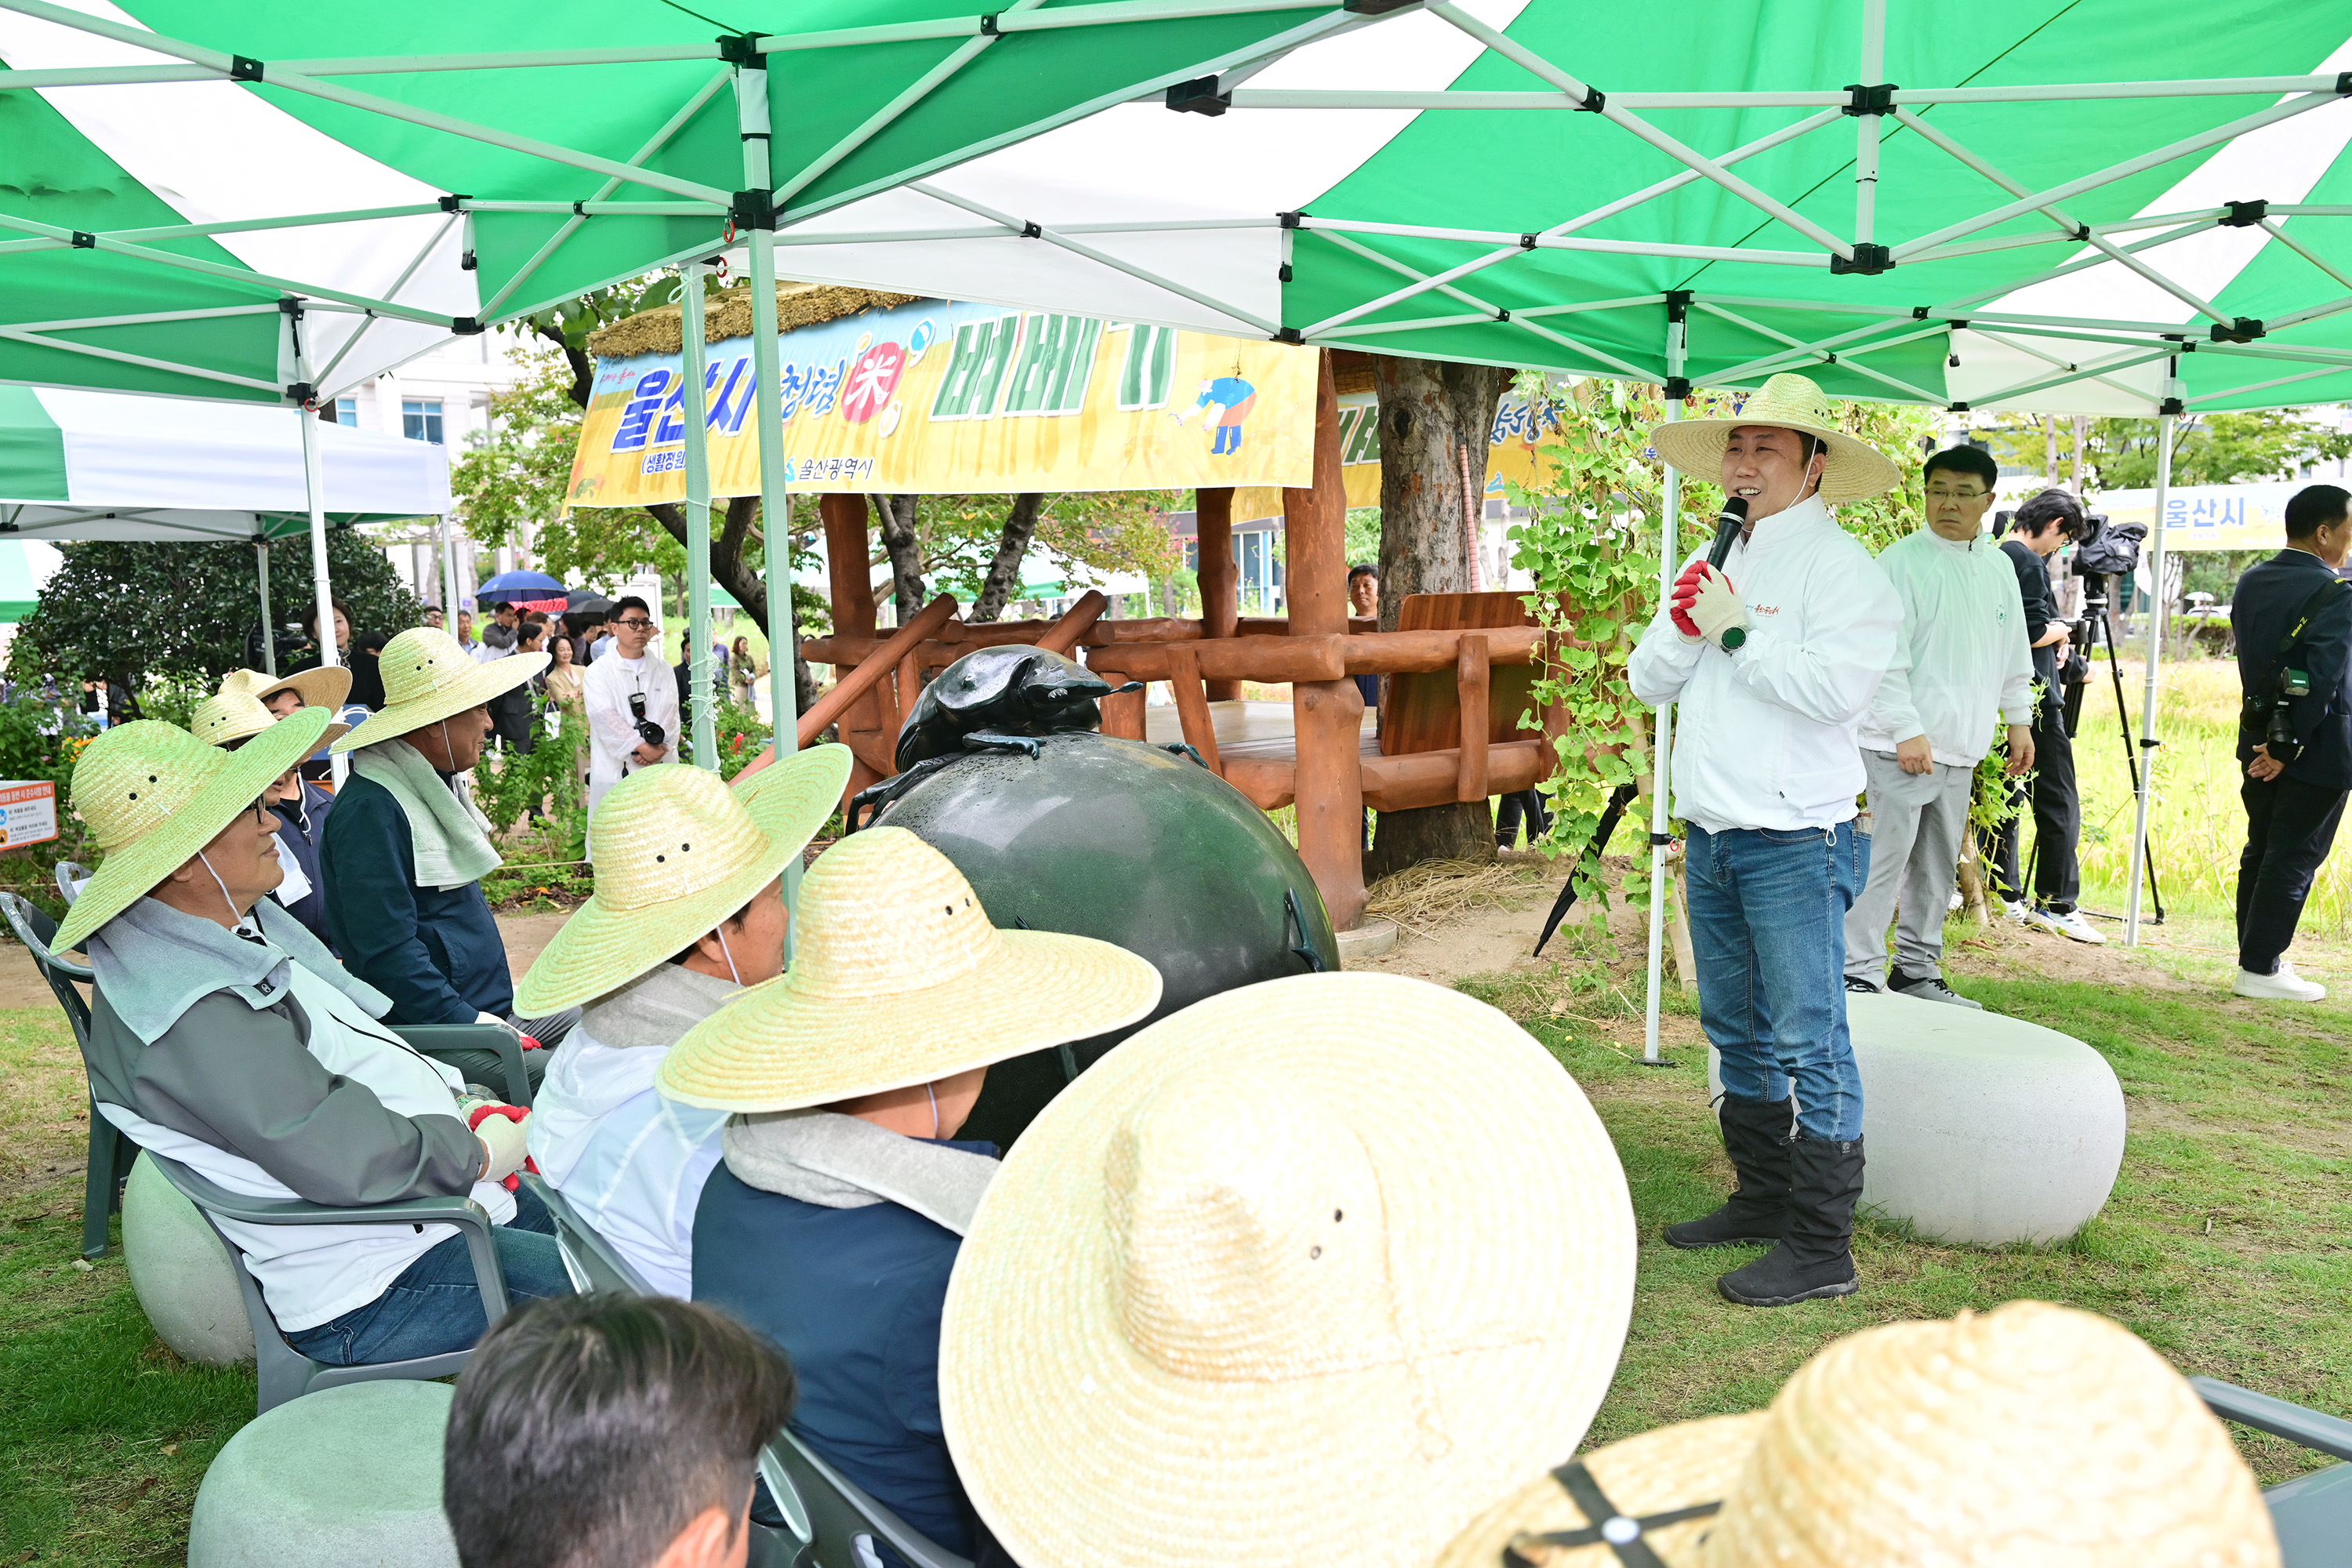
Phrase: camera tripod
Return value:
(2094, 625)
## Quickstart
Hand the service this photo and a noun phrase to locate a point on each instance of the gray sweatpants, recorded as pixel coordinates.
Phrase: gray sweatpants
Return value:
(1915, 820)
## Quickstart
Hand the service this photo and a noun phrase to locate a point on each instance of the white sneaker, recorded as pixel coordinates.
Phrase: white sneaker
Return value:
(1953, 906)
(2070, 924)
(2015, 909)
(2286, 986)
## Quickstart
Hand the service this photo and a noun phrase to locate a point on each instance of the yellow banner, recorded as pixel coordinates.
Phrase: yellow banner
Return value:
(940, 398)
(1511, 454)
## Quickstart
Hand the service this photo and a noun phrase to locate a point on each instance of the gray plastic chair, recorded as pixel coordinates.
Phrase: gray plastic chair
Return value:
(2313, 1513)
(466, 1045)
(110, 1152)
(286, 1373)
(70, 875)
(841, 1511)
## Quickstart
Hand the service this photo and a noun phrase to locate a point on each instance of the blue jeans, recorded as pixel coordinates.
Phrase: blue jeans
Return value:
(435, 1306)
(1768, 927)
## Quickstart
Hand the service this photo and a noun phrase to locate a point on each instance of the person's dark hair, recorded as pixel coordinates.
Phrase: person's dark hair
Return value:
(623, 606)
(587, 1431)
(528, 633)
(2314, 506)
(1964, 460)
(310, 616)
(2051, 507)
(566, 639)
(1365, 570)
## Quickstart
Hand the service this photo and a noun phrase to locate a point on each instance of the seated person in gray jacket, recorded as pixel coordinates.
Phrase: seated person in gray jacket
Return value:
(224, 1036)
(832, 1222)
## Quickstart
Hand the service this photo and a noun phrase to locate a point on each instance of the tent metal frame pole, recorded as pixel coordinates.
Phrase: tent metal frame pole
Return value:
(1818, 348)
(2025, 348)
(693, 366)
(1852, 360)
(775, 501)
(2263, 385)
(2158, 600)
(1569, 242)
(2271, 227)
(1624, 120)
(150, 318)
(1552, 102)
(2042, 384)
(1538, 312)
(1494, 312)
(268, 632)
(2074, 266)
(449, 574)
(1055, 237)
(598, 208)
(2113, 173)
(257, 225)
(1866, 127)
(881, 118)
(654, 143)
(415, 261)
(1662, 743)
(314, 489)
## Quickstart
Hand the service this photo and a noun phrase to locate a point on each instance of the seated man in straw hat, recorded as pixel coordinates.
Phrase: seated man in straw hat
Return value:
(2032, 1434)
(222, 1034)
(1774, 659)
(688, 910)
(406, 850)
(247, 703)
(1267, 1285)
(834, 1224)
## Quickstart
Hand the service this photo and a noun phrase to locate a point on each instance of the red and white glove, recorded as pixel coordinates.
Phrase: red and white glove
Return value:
(1710, 607)
(530, 1043)
(501, 1129)
(1678, 602)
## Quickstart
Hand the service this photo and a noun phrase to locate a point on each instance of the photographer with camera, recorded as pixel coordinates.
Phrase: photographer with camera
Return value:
(2293, 618)
(631, 699)
(2044, 525)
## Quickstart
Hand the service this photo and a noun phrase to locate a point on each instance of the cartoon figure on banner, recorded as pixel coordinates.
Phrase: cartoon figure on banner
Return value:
(1225, 402)
(871, 381)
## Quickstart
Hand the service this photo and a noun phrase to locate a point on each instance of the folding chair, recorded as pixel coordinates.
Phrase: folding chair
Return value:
(71, 875)
(596, 1264)
(469, 1047)
(844, 1515)
(286, 1373)
(2313, 1513)
(110, 1152)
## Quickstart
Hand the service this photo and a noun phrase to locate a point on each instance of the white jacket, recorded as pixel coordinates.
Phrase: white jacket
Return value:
(612, 732)
(1963, 654)
(1765, 737)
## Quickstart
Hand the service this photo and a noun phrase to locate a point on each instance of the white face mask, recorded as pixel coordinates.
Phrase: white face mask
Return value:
(237, 921)
(934, 1097)
(732, 972)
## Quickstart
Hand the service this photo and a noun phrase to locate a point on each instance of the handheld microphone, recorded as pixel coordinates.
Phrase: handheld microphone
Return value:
(1729, 522)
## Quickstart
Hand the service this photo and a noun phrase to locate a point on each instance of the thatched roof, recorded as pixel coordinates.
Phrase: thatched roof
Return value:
(728, 314)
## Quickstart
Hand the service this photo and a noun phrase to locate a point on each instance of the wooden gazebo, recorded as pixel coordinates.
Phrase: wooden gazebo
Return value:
(1329, 767)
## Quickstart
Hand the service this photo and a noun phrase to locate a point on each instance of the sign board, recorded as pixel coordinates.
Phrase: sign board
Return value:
(28, 814)
(1512, 454)
(2210, 517)
(934, 397)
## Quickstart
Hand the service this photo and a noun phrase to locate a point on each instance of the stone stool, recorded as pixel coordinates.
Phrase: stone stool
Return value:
(182, 1273)
(1979, 1130)
(345, 1476)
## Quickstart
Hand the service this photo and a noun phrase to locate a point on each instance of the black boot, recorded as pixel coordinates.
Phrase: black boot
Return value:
(1756, 1136)
(1815, 1259)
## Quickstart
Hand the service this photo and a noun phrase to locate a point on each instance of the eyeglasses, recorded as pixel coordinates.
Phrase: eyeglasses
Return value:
(634, 625)
(260, 812)
(1957, 495)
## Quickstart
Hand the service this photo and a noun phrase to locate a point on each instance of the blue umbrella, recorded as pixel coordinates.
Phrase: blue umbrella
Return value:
(531, 589)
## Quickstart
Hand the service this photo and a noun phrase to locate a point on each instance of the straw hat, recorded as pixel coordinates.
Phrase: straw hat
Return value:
(236, 714)
(427, 677)
(2034, 1435)
(1303, 1273)
(1855, 468)
(320, 687)
(675, 853)
(152, 795)
(897, 979)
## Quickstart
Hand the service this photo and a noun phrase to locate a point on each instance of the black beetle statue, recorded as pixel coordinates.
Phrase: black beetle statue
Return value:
(1068, 830)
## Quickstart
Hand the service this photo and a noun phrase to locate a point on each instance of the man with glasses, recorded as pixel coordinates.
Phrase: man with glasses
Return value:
(1962, 660)
(632, 674)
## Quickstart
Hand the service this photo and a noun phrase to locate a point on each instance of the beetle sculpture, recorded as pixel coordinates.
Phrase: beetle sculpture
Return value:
(994, 700)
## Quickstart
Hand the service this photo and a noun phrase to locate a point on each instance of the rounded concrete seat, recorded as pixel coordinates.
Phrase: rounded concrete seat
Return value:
(180, 1270)
(1978, 1129)
(345, 1476)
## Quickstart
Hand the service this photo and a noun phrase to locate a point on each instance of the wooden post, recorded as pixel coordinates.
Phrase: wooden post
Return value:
(1076, 622)
(1212, 515)
(1327, 714)
(1122, 715)
(850, 576)
(1470, 681)
(1192, 705)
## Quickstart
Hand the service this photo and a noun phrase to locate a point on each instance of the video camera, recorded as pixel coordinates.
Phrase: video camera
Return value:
(2108, 549)
(651, 734)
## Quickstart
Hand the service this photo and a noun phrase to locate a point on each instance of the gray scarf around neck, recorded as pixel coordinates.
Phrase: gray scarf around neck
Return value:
(657, 1008)
(838, 1162)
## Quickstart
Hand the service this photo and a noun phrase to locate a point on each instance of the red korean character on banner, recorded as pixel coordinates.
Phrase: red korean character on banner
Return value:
(871, 381)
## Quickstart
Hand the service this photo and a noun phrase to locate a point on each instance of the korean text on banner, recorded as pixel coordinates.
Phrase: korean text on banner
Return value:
(936, 398)
(28, 813)
(1513, 453)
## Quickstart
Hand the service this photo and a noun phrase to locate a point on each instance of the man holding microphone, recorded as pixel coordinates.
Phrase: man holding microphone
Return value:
(1775, 656)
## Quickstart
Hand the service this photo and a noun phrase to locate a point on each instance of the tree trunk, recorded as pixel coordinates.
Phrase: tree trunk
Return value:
(1432, 414)
(1971, 878)
(905, 547)
(1004, 572)
(583, 370)
(731, 567)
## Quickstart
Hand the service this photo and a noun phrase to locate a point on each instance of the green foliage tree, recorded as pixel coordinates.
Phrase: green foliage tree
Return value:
(182, 612)
(2207, 449)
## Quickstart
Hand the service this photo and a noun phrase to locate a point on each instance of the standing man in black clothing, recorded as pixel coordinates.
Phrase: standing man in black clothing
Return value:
(2043, 526)
(2293, 618)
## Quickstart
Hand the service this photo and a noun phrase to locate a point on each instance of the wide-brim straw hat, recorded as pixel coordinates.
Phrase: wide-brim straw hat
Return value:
(153, 795)
(899, 979)
(1854, 469)
(2032, 1435)
(323, 686)
(428, 676)
(235, 714)
(1308, 1272)
(676, 852)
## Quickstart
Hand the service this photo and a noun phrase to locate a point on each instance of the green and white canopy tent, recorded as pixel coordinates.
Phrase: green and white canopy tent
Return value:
(77, 465)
